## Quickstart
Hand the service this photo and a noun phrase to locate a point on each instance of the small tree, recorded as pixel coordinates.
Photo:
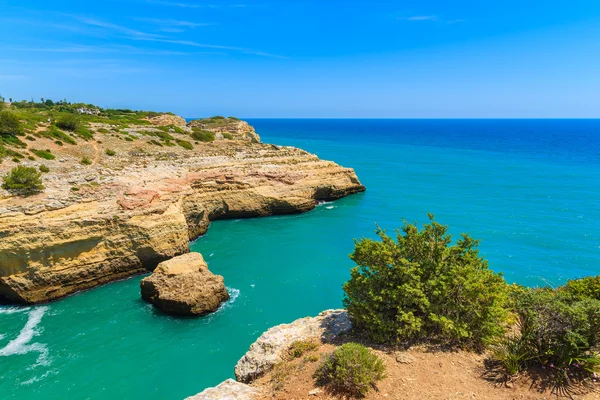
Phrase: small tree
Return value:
(422, 287)
(10, 124)
(68, 122)
(23, 181)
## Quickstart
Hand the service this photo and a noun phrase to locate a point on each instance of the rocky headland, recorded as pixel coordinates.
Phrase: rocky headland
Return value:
(125, 198)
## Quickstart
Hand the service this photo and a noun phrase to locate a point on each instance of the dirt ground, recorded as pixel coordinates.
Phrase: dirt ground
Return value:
(420, 374)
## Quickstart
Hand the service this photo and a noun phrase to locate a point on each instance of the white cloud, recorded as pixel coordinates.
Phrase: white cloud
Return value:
(422, 18)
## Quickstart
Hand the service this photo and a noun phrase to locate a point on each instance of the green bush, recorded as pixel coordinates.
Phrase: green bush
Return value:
(185, 144)
(23, 181)
(86, 161)
(68, 122)
(228, 136)
(44, 168)
(301, 347)
(556, 331)
(10, 124)
(584, 288)
(351, 369)
(202, 135)
(110, 152)
(422, 287)
(84, 133)
(53, 132)
(45, 154)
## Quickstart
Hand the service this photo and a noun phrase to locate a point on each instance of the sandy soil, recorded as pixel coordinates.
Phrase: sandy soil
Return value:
(426, 375)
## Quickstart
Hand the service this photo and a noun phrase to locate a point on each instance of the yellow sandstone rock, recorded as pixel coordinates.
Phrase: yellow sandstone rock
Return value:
(126, 213)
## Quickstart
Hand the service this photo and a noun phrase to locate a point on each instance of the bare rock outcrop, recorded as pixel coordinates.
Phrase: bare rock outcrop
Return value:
(239, 130)
(183, 285)
(167, 119)
(228, 390)
(271, 346)
(143, 206)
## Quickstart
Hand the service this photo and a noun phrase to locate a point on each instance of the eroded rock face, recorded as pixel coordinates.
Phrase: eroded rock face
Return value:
(228, 390)
(143, 206)
(271, 346)
(167, 119)
(239, 130)
(184, 286)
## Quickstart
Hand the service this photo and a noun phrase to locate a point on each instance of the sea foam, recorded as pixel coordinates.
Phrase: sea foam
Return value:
(21, 344)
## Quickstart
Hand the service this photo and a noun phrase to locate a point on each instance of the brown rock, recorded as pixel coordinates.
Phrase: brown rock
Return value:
(403, 357)
(184, 286)
(239, 130)
(167, 119)
(144, 209)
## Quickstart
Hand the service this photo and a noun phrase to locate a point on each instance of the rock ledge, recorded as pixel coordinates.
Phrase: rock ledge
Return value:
(271, 346)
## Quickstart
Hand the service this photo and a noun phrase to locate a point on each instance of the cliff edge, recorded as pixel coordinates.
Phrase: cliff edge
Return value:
(127, 198)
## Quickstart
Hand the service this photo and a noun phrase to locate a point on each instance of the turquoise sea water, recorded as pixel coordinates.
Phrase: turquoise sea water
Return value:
(529, 189)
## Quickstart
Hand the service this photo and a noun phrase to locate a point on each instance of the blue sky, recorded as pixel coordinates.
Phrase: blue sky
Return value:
(251, 58)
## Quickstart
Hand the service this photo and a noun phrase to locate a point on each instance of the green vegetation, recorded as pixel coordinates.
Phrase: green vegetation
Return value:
(54, 132)
(68, 122)
(228, 136)
(171, 128)
(584, 288)
(420, 287)
(110, 152)
(86, 161)
(45, 154)
(202, 135)
(44, 168)
(10, 125)
(351, 369)
(185, 144)
(301, 347)
(23, 181)
(557, 330)
(423, 288)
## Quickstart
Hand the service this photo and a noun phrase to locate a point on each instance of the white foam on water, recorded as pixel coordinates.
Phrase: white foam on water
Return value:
(38, 378)
(21, 344)
(2, 336)
(12, 310)
(330, 207)
(233, 295)
(322, 202)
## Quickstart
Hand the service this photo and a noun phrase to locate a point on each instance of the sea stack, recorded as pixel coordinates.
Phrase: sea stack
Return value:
(184, 286)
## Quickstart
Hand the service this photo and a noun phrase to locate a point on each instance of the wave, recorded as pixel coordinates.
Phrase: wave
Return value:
(38, 378)
(20, 345)
(322, 202)
(233, 295)
(12, 310)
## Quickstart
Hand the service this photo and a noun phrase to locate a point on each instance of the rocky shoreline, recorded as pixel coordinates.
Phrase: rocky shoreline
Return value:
(125, 213)
(270, 348)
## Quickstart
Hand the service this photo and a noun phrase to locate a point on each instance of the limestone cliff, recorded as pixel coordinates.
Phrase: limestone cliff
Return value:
(237, 129)
(129, 211)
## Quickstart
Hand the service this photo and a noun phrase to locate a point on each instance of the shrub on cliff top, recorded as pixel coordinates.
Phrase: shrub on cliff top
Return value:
(202, 135)
(185, 144)
(68, 122)
(351, 369)
(23, 181)
(422, 287)
(10, 124)
(557, 331)
(584, 288)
